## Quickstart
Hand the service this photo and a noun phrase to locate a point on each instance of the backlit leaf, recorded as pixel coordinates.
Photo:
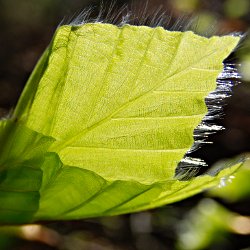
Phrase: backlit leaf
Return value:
(104, 120)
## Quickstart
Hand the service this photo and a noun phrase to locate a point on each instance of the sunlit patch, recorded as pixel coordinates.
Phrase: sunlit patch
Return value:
(241, 225)
(40, 233)
(225, 180)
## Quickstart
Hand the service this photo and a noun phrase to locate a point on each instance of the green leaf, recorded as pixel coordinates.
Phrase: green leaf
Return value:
(236, 188)
(21, 175)
(206, 224)
(107, 115)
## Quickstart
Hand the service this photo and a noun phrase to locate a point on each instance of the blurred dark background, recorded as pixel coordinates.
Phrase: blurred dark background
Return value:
(26, 29)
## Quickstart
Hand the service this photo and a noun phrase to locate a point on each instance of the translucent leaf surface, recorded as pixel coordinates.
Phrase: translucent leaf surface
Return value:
(107, 115)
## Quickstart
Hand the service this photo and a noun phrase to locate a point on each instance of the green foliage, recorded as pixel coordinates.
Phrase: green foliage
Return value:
(235, 188)
(104, 120)
(208, 222)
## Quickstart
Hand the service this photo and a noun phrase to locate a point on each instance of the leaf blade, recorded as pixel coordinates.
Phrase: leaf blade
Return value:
(116, 108)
